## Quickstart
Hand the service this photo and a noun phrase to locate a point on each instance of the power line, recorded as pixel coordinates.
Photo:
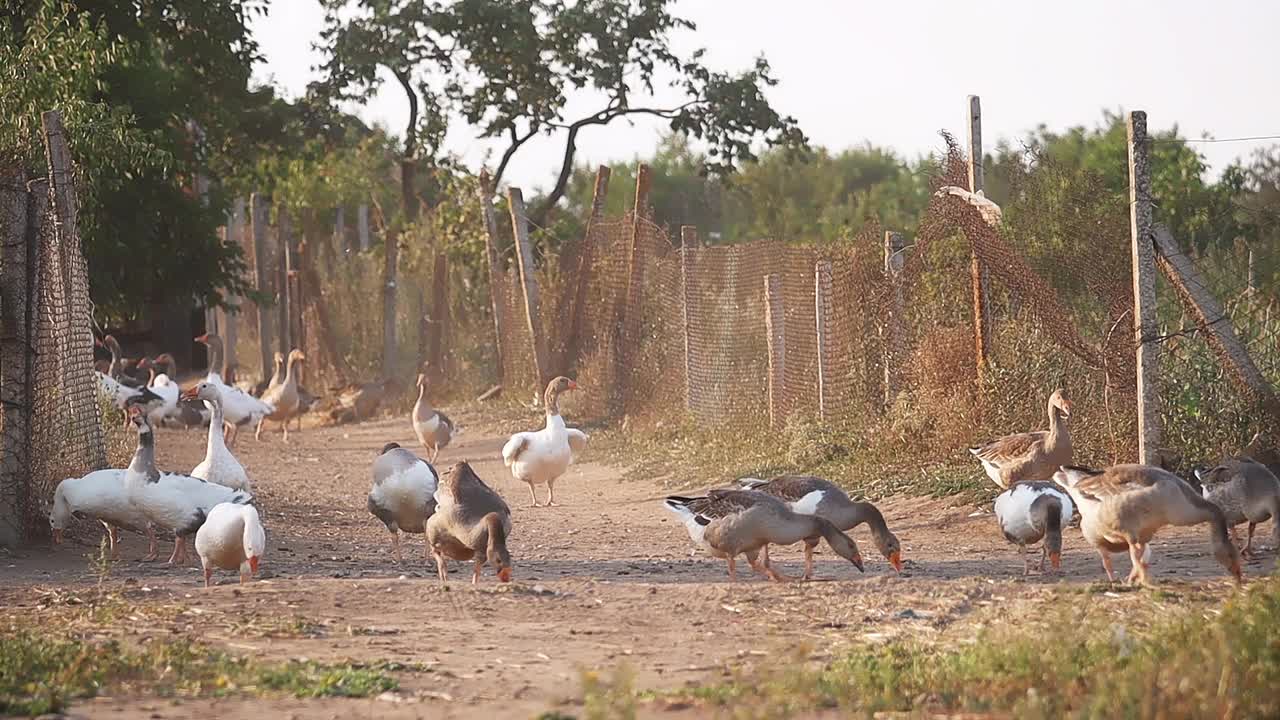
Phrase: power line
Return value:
(1216, 140)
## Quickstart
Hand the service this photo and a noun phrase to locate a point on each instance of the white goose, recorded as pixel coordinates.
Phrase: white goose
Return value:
(166, 389)
(175, 502)
(231, 538)
(114, 391)
(539, 458)
(238, 407)
(403, 493)
(1030, 512)
(100, 495)
(219, 465)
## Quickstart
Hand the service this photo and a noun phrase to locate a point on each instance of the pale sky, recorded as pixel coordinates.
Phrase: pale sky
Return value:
(894, 73)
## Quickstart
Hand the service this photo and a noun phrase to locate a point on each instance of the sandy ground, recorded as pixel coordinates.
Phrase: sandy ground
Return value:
(606, 580)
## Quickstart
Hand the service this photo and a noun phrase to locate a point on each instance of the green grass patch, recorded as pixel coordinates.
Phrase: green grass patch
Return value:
(1214, 664)
(42, 674)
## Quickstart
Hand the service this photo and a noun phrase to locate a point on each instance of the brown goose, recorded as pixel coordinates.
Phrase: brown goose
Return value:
(433, 428)
(810, 495)
(729, 523)
(1033, 455)
(283, 398)
(471, 522)
(1122, 507)
(1246, 491)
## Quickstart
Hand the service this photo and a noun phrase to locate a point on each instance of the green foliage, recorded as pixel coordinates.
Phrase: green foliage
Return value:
(40, 673)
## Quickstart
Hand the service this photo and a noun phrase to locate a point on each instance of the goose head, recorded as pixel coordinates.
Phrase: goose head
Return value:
(202, 391)
(1059, 401)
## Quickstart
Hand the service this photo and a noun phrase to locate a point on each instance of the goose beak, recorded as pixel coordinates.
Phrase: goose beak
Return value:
(253, 565)
(203, 339)
(1066, 408)
(857, 562)
(895, 559)
(1055, 559)
(573, 385)
(190, 394)
(57, 536)
(505, 574)
(1237, 572)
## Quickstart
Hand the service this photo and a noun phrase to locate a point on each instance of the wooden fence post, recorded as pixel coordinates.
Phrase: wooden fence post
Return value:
(16, 301)
(340, 231)
(227, 321)
(284, 243)
(776, 336)
(496, 278)
(1145, 328)
(688, 245)
(1193, 290)
(529, 281)
(573, 348)
(629, 311)
(894, 245)
(362, 227)
(979, 277)
(822, 306)
(439, 315)
(261, 273)
(390, 346)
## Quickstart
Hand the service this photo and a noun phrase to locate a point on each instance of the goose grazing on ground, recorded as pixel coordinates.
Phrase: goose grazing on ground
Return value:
(1032, 455)
(1030, 512)
(810, 495)
(540, 457)
(283, 398)
(989, 210)
(403, 494)
(1122, 507)
(433, 428)
(219, 465)
(174, 502)
(471, 522)
(729, 523)
(238, 407)
(1245, 491)
(359, 401)
(102, 496)
(231, 538)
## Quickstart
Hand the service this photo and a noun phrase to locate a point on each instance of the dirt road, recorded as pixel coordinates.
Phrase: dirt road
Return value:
(606, 580)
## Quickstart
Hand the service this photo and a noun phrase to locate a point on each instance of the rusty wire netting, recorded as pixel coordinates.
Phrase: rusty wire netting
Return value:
(1206, 408)
(66, 425)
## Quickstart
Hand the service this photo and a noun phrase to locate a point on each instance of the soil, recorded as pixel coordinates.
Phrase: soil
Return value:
(606, 580)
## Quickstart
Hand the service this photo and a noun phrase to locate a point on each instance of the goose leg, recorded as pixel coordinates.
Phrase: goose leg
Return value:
(1026, 561)
(442, 570)
(808, 559)
(286, 430)
(208, 577)
(534, 496)
(395, 545)
(1247, 551)
(1044, 554)
(179, 547)
(153, 552)
(257, 435)
(475, 573)
(733, 570)
(764, 568)
(551, 493)
(1106, 564)
(1139, 572)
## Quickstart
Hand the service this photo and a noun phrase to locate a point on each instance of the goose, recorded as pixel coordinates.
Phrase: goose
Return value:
(175, 502)
(433, 428)
(540, 457)
(113, 391)
(219, 465)
(471, 522)
(1245, 491)
(989, 210)
(1031, 511)
(1123, 506)
(277, 375)
(283, 398)
(810, 495)
(117, 370)
(189, 413)
(231, 538)
(732, 522)
(403, 493)
(102, 496)
(166, 389)
(238, 407)
(1032, 455)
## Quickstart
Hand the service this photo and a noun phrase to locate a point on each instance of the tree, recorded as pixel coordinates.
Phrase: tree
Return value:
(509, 67)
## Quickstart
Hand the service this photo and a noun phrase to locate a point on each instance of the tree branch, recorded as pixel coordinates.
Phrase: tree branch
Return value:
(411, 132)
(516, 142)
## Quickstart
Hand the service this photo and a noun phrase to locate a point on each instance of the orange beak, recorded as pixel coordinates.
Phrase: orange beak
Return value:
(1066, 406)
(253, 564)
(895, 559)
(57, 537)
(203, 338)
(190, 394)
(505, 574)
(1055, 559)
(1235, 570)
(857, 562)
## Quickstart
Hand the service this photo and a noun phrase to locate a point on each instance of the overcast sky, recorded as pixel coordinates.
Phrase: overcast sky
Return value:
(894, 73)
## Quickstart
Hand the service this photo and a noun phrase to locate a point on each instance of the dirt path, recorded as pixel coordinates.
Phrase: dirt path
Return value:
(605, 580)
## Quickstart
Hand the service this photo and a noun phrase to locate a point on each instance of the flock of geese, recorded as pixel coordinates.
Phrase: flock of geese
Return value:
(463, 519)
